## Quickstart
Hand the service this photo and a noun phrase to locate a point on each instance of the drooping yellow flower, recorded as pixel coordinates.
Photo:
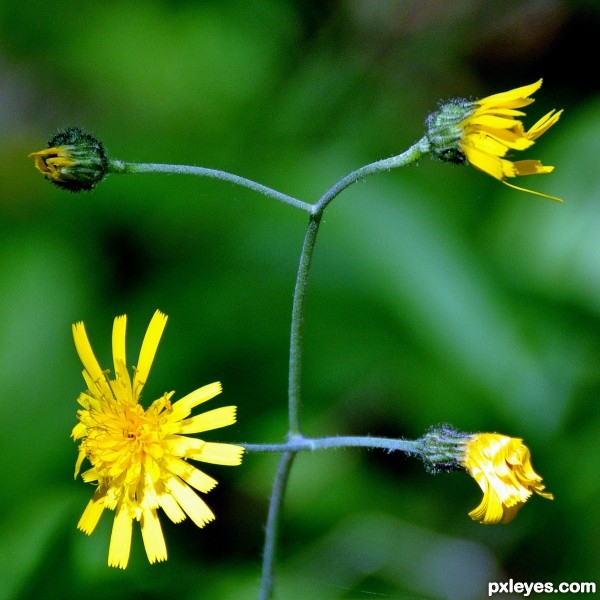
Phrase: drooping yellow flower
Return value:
(502, 468)
(493, 130)
(139, 457)
(485, 132)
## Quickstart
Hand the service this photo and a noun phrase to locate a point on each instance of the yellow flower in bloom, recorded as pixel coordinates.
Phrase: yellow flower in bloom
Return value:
(492, 130)
(501, 466)
(139, 457)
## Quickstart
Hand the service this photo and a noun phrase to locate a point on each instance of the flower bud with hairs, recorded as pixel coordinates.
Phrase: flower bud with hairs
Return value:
(74, 160)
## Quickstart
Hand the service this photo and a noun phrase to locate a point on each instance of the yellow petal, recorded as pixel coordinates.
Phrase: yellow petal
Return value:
(154, 541)
(92, 513)
(501, 112)
(97, 388)
(484, 161)
(543, 124)
(182, 408)
(119, 353)
(516, 187)
(508, 139)
(218, 454)
(90, 475)
(487, 144)
(148, 351)
(191, 475)
(531, 167)
(510, 512)
(172, 509)
(190, 502)
(120, 539)
(489, 511)
(88, 358)
(181, 445)
(513, 98)
(80, 458)
(213, 419)
(78, 431)
(487, 120)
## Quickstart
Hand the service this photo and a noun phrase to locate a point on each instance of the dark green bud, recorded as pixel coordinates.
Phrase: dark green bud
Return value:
(74, 160)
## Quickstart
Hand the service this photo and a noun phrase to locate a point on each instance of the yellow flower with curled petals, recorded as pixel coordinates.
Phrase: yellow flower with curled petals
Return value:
(493, 130)
(501, 466)
(485, 132)
(139, 458)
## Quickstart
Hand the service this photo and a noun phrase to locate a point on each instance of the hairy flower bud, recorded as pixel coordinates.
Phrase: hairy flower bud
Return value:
(74, 160)
(442, 449)
(485, 133)
(444, 131)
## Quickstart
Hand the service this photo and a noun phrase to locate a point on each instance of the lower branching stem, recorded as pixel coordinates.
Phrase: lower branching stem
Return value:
(272, 528)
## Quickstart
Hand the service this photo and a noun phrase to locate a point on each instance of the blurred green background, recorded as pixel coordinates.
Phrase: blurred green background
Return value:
(437, 294)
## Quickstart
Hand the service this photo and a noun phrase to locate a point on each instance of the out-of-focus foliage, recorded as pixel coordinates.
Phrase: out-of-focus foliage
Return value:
(437, 294)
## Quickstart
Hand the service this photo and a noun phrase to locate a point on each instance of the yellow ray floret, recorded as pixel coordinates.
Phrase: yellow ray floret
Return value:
(501, 466)
(139, 457)
(491, 130)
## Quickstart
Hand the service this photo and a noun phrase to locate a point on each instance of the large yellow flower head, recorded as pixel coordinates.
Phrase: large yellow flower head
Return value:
(485, 132)
(501, 466)
(139, 457)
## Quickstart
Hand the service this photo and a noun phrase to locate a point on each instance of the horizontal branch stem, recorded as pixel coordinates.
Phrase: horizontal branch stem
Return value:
(300, 443)
(119, 166)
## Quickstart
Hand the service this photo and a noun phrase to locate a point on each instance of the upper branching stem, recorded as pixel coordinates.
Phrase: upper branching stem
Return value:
(119, 166)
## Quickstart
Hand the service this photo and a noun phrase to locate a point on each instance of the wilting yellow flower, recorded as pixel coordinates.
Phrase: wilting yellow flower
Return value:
(501, 466)
(74, 160)
(484, 132)
(139, 457)
(492, 130)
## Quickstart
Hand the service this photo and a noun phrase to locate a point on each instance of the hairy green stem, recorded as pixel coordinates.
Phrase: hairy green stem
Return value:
(272, 528)
(119, 166)
(296, 346)
(295, 356)
(414, 153)
(300, 443)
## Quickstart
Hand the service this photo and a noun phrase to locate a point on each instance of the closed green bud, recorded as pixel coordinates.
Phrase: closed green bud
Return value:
(74, 160)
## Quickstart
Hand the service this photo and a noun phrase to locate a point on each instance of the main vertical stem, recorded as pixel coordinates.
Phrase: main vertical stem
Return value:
(294, 387)
(295, 366)
(272, 529)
